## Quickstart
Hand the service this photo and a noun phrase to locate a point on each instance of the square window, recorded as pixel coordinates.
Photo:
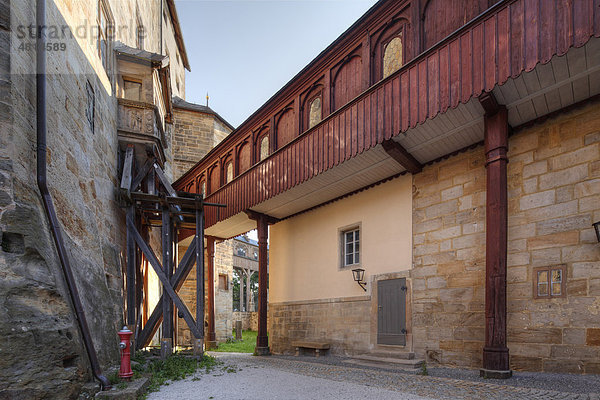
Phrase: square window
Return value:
(350, 245)
(549, 282)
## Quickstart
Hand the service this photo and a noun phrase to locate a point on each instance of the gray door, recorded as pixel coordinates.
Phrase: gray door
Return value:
(391, 311)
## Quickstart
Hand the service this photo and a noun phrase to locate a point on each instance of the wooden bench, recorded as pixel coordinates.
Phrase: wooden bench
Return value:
(308, 344)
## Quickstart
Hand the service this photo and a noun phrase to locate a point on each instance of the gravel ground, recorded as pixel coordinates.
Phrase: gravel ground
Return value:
(282, 377)
(255, 381)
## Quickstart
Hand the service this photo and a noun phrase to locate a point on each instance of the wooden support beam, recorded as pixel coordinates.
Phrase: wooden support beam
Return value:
(495, 352)
(199, 253)
(142, 173)
(262, 340)
(125, 187)
(254, 215)
(211, 340)
(177, 281)
(489, 103)
(402, 157)
(130, 275)
(169, 289)
(166, 343)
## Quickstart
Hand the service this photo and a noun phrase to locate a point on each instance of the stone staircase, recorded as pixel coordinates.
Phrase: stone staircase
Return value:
(389, 359)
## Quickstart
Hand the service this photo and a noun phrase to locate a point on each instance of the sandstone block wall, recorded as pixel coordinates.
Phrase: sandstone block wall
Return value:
(554, 197)
(449, 260)
(344, 323)
(194, 135)
(46, 358)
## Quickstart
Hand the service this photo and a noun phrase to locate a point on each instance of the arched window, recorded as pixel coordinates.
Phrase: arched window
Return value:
(203, 188)
(315, 113)
(392, 56)
(264, 147)
(229, 172)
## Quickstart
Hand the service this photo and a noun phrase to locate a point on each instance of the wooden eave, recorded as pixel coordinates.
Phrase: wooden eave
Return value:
(178, 34)
(507, 40)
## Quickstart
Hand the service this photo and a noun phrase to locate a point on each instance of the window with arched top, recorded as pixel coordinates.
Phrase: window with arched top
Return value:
(315, 112)
(229, 172)
(392, 56)
(264, 147)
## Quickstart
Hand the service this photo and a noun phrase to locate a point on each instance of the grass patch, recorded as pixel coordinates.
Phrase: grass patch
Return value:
(174, 368)
(246, 345)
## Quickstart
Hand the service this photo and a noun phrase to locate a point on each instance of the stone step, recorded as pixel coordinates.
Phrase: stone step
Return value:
(387, 367)
(390, 361)
(404, 355)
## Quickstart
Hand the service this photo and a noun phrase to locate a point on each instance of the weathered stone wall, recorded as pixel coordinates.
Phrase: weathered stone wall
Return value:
(46, 358)
(343, 322)
(554, 197)
(194, 135)
(223, 298)
(449, 260)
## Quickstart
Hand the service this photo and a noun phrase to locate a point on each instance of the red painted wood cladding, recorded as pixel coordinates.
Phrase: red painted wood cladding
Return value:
(484, 53)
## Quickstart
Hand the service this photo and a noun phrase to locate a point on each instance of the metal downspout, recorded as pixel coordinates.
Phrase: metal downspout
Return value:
(47, 199)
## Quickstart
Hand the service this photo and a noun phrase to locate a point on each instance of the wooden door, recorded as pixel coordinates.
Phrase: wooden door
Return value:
(391, 311)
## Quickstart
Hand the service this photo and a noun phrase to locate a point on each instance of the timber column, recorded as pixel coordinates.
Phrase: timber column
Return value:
(262, 340)
(211, 340)
(495, 353)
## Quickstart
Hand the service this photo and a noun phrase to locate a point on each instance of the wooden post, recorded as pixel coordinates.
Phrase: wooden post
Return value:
(199, 342)
(166, 344)
(495, 353)
(262, 340)
(242, 274)
(248, 292)
(211, 341)
(131, 262)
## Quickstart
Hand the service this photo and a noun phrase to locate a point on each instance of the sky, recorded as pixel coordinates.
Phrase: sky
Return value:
(243, 51)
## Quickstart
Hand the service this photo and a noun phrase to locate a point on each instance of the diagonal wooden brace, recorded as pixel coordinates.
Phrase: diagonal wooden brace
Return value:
(181, 274)
(156, 265)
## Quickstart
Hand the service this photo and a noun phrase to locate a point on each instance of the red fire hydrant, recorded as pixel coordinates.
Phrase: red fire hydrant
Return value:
(125, 372)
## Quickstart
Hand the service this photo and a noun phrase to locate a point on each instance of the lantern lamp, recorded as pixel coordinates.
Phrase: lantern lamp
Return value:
(359, 277)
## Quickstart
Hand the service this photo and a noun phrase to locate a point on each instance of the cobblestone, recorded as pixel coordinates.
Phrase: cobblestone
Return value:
(432, 387)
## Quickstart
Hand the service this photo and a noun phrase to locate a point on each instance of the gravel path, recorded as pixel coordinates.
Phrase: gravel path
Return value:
(279, 377)
(252, 380)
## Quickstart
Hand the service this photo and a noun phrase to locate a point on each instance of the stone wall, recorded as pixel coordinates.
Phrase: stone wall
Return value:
(554, 196)
(343, 322)
(223, 298)
(46, 357)
(449, 260)
(194, 134)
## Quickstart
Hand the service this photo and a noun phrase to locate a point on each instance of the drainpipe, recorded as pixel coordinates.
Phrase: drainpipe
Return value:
(47, 199)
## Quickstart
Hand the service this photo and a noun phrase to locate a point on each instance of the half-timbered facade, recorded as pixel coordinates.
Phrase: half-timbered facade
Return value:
(450, 150)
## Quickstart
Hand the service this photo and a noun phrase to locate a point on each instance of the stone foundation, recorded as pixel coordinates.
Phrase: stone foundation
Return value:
(344, 323)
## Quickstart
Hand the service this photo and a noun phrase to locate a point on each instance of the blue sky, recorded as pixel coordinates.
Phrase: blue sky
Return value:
(241, 52)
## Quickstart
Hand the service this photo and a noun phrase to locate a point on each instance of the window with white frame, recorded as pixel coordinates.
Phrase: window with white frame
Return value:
(351, 247)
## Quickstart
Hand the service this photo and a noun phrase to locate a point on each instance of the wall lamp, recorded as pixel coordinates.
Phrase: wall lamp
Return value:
(359, 277)
(597, 228)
